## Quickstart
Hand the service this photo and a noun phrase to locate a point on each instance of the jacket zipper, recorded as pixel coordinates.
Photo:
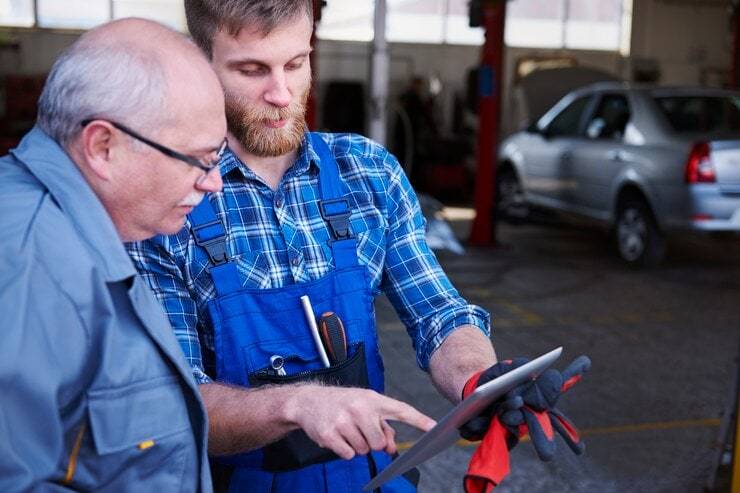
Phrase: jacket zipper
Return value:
(72, 465)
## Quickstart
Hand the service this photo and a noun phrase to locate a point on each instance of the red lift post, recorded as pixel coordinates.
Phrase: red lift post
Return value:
(490, 14)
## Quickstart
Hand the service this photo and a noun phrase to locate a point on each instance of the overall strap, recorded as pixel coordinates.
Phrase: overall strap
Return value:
(209, 234)
(334, 206)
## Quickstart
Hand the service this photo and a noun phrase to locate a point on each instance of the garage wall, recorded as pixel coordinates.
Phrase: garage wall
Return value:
(31, 52)
(351, 62)
(688, 41)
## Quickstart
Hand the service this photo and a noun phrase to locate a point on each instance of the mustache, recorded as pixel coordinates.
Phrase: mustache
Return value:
(291, 111)
(239, 108)
(192, 200)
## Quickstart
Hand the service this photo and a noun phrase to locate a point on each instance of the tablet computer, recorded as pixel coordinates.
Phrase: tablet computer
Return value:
(445, 432)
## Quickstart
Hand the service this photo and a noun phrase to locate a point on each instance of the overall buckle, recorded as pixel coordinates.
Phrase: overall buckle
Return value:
(336, 213)
(214, 247)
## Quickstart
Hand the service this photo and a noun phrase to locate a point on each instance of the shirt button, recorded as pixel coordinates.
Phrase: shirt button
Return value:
(295, 261)
(279, 202)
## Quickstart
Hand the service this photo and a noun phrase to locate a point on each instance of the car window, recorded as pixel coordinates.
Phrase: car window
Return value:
(691, 114)
(610, 118)
(568, 121)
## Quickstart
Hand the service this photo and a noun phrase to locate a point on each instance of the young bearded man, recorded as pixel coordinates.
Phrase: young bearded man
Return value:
(328, 216)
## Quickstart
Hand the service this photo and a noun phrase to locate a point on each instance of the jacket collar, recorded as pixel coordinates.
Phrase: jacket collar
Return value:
(52, 166)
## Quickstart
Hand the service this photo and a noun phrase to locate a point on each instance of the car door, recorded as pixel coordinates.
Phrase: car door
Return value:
(549, 157)
(601, 155)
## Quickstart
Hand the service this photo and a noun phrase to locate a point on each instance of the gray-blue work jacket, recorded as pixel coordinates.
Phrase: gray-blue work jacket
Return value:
(95, 393)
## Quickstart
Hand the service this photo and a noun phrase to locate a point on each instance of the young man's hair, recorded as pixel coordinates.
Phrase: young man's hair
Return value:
(206, 17)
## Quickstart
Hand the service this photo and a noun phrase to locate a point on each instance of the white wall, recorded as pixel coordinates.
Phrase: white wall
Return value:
(688, 39)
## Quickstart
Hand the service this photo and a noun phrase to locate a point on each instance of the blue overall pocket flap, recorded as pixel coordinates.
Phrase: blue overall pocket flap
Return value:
(299, 353)
(126, 417)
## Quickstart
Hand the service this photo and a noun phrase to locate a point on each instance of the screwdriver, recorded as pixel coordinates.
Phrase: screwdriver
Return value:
(333, 336)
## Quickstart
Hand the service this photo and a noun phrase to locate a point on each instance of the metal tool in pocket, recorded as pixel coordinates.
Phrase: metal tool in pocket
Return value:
(277, 364)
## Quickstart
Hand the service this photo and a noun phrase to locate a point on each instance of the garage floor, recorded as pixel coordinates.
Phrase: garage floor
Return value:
(663, 344)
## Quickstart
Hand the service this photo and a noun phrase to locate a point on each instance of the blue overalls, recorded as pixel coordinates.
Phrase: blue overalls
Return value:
(252, 325)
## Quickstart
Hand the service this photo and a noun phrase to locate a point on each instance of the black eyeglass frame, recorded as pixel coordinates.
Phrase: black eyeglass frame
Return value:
(192, 161)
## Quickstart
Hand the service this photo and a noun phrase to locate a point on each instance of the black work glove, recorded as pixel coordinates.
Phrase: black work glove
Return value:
(539, 414)
(476, 428)
(489, 464)
(528, 408)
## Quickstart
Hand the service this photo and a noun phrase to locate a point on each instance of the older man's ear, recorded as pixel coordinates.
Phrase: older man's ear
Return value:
(97, 146)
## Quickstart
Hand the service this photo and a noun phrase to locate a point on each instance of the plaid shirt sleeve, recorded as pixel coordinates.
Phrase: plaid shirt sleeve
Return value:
(426, 302)
(157, 265)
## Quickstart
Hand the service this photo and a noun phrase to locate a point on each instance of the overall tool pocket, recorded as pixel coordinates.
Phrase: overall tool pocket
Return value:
(297, 450)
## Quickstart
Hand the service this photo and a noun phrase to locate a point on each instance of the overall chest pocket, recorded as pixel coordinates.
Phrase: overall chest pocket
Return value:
(371, 229)
(142, 427)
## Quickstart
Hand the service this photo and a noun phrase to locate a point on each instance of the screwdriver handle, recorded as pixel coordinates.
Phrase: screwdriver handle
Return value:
(333, 336)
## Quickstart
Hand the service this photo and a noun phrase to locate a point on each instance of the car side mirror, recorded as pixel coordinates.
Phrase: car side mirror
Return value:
(596, 128)
(534, 129)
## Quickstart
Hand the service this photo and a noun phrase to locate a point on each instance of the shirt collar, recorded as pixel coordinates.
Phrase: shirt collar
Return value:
(306, 156)
(52, 166)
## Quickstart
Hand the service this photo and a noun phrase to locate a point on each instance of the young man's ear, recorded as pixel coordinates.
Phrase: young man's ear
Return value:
(100, 143)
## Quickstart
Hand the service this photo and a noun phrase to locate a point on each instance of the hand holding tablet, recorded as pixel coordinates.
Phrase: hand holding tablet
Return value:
(446, 432)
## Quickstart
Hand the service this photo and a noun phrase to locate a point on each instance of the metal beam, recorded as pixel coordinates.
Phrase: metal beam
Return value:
(379, 76)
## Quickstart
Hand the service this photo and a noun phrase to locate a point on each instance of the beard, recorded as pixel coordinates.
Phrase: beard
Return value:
(247, 124)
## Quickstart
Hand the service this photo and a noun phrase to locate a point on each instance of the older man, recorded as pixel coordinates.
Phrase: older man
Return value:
(96, 394)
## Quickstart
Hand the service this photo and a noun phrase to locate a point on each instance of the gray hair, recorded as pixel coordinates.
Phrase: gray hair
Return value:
(105, 80)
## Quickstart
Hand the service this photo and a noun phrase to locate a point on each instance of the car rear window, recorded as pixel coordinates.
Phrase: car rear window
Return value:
(691, 114)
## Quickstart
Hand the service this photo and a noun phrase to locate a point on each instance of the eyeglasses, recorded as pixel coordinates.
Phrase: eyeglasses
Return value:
(206, 163)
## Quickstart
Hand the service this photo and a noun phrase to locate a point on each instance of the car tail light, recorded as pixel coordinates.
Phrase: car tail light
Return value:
(699, 168)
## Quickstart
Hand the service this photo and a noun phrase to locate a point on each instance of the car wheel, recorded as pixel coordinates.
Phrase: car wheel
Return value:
(638, 239)
(510, 203)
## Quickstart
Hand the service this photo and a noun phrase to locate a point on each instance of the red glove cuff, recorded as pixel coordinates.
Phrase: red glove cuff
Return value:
(471, 384)
(490, 462)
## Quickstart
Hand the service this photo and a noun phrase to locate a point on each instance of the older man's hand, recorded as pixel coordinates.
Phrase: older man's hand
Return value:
(350, 421)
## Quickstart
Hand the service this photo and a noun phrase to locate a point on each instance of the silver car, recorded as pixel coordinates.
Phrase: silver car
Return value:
(642, 160)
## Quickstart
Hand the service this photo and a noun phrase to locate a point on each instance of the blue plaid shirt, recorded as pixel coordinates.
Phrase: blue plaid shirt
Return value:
(277, 237)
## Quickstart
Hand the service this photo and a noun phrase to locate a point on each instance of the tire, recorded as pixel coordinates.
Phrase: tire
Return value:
(510, 203)
(637, 238)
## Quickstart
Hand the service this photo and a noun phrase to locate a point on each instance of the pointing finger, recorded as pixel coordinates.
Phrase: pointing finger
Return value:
(400, 411)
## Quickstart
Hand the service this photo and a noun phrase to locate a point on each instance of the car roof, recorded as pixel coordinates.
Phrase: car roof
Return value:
(659, 91)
